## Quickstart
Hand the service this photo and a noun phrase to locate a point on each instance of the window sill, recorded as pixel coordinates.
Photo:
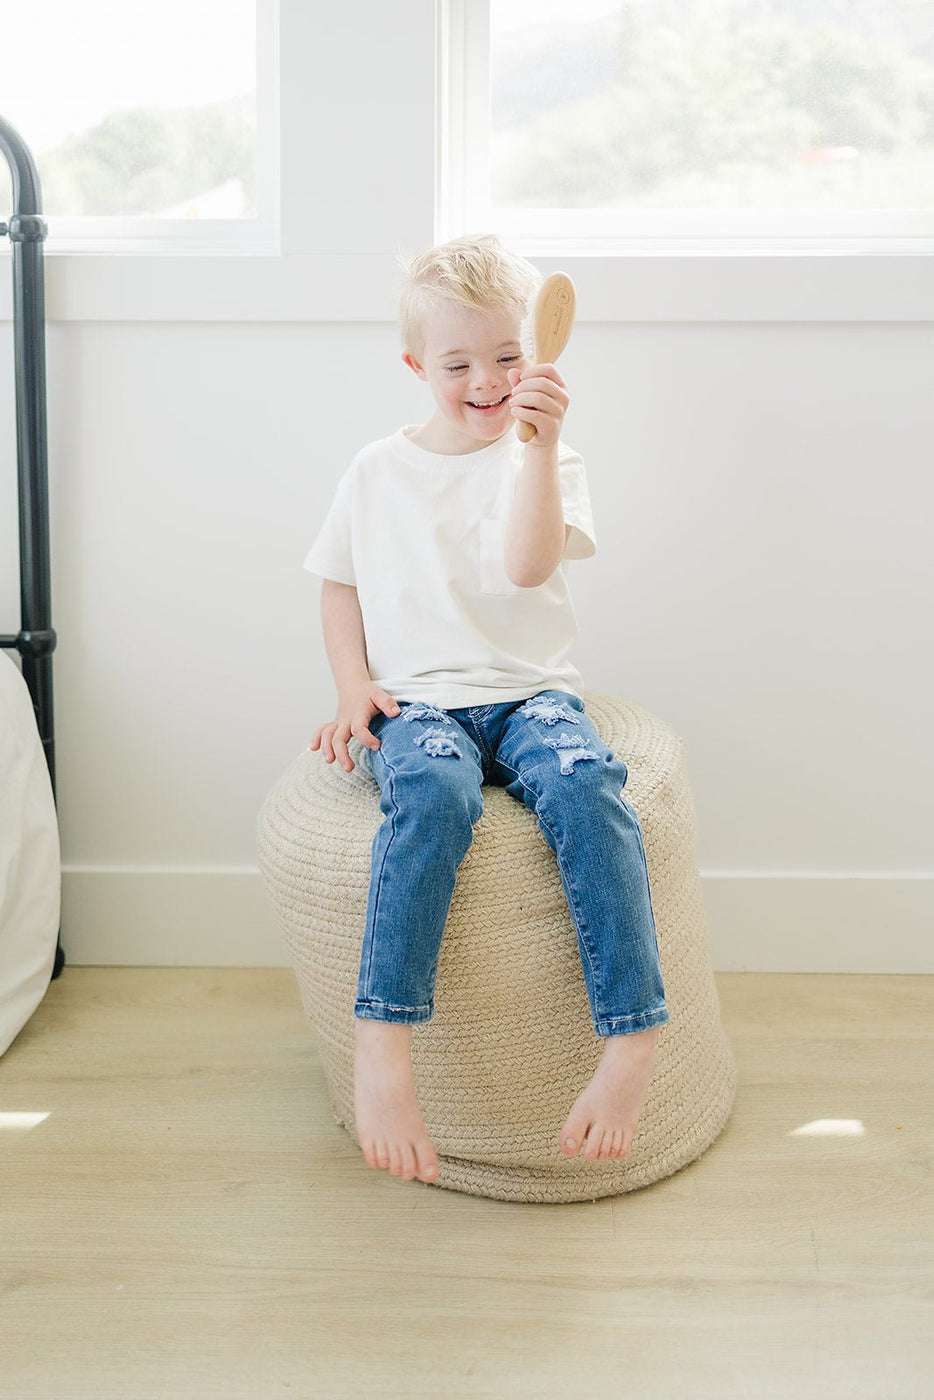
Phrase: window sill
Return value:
(645, 286)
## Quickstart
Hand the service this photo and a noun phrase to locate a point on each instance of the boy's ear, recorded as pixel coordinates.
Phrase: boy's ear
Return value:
(413, 364)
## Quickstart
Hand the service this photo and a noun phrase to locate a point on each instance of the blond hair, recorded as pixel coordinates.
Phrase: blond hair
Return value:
(476, 271)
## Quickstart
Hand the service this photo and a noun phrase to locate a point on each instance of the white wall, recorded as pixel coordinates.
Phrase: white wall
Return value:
(762, 494)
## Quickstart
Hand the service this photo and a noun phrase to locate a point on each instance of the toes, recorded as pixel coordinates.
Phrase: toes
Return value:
(406, 1160)
(594, 1148)
(595, 1142)
(622, 1141)
(429, 1167)
(407, 1157)
(573, 1135)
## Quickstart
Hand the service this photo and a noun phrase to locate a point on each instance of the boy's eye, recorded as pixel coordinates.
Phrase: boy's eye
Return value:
(459, 368)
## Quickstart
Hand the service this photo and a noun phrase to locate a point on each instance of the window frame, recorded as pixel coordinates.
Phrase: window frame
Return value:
(89, 234)
(464, 199)
(352, 194)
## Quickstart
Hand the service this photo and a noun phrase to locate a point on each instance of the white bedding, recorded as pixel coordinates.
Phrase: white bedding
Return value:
(30, 862)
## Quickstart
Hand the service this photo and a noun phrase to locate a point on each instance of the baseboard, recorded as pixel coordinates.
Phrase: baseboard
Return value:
(186, 917)
(820, 922)
(759, 922)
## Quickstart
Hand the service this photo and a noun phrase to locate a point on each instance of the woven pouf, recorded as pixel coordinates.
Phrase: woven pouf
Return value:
(511, 1043)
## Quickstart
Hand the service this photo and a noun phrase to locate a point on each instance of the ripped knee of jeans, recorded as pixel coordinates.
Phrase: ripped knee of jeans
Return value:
(421, 711)
(549, 711)
(438, 744)
(571, 749)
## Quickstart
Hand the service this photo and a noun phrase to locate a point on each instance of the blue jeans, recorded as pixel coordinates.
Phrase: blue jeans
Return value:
(430, 766)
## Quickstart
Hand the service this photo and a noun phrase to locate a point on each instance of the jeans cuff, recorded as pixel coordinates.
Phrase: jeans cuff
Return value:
(400, 1015)
(630, 1025)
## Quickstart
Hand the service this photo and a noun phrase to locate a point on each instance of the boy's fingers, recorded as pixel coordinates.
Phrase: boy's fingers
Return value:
(542, 372)
(333, 738)
(541, 386)
(537, 412)
(321, 736)
(530, 399)
(340, 750)
(322, 739)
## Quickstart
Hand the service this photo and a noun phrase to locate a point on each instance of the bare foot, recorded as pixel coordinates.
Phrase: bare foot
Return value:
(605, 1115)
(390, 1128)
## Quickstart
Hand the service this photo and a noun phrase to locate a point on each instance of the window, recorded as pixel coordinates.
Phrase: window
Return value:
(146, 121)
(635, 124)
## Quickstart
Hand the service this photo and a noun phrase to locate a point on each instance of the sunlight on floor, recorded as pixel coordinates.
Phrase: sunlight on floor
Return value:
(830, 1127)
(21, 1121)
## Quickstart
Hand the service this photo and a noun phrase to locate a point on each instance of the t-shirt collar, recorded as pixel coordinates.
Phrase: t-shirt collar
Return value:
(410, 451)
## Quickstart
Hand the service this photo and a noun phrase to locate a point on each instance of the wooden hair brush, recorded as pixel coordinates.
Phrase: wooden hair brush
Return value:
(552, 320)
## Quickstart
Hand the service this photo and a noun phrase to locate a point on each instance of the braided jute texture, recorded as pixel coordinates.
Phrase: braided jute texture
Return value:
(511, 1043)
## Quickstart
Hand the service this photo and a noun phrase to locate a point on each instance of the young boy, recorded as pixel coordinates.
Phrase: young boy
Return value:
(447, 622)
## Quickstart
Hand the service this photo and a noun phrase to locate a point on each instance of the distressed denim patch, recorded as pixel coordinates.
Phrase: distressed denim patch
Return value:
(421, 711)
(571, 749)
(438, 744)
(549, 711)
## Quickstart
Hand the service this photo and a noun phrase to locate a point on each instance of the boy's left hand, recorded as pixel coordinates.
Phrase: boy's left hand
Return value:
(540, 397)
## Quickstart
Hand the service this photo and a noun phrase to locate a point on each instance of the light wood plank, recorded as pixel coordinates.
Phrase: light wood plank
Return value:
(189, 1222)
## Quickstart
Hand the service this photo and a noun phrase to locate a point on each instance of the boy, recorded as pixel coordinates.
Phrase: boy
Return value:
(447, 621)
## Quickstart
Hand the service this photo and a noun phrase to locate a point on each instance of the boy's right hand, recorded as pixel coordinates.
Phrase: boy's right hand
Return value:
(354, 712)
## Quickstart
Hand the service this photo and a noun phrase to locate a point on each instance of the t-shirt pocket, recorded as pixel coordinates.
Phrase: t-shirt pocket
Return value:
(493, 575)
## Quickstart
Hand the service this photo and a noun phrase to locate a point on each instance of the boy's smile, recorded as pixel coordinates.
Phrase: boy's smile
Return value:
(488, 408)
(465, 362)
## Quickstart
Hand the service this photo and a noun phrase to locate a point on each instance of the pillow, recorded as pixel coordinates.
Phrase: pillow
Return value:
(30, 860)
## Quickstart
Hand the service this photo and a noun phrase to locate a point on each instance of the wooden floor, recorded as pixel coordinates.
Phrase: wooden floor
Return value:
(181, 1218)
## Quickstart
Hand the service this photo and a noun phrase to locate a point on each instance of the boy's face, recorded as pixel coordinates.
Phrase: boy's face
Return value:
(464, 361)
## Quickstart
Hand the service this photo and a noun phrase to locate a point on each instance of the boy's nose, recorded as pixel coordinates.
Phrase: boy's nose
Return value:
(487, 378)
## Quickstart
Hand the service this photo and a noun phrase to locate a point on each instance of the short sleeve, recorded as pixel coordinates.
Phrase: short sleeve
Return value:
(582, 541)
(331, 555)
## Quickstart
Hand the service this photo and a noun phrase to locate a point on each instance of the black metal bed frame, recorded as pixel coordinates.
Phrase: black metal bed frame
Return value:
(36, 639)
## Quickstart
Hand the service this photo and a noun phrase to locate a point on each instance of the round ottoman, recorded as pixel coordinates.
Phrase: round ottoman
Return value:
(511, 1043)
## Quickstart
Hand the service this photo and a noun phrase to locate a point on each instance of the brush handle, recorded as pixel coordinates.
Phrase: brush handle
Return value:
(552, 320)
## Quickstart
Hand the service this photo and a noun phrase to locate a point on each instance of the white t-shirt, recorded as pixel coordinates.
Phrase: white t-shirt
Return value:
(421, 537)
